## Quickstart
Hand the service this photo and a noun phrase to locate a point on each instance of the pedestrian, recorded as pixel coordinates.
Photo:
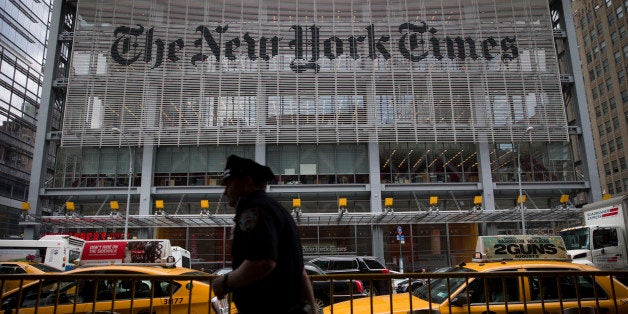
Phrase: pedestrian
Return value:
(268, 274)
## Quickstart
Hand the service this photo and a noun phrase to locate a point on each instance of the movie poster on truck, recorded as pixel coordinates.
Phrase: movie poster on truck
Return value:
(121, 252)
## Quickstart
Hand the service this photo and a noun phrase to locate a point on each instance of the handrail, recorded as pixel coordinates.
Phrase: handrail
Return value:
(367, 279)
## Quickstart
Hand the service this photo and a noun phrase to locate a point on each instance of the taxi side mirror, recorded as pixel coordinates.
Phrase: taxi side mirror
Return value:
(460, 300)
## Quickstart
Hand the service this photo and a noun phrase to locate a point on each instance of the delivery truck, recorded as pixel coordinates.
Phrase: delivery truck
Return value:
(58, 251)
(601, 240)
(146, 252)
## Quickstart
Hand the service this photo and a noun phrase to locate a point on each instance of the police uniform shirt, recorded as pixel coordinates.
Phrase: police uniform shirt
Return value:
(265, 230)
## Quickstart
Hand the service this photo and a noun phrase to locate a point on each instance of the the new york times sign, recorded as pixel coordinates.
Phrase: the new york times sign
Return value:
(414, 42)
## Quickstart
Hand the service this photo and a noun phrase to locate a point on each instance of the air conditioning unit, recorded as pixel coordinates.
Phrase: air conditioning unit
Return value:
(66, 36)
(60, 82)
(574, 130)
(566, 78)
(559, 33)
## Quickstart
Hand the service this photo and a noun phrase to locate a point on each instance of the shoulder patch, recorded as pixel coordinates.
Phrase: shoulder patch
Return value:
(248, 219)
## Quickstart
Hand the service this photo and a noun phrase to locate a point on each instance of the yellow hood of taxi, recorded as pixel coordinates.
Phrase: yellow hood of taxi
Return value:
(381, 304)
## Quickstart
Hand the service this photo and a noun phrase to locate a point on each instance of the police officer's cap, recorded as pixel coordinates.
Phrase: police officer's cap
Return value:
(241, 167)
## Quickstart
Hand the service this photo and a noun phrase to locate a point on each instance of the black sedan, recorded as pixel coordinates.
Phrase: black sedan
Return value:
(343, 289)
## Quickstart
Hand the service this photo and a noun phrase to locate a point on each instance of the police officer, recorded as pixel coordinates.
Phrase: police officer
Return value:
(268, 274)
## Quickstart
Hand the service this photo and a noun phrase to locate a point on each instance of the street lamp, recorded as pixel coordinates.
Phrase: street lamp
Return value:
(521, 207)
(128, 193)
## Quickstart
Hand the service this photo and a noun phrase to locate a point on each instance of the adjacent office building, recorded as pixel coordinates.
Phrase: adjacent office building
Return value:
(23, 39)
(602, 29)
(394, 128)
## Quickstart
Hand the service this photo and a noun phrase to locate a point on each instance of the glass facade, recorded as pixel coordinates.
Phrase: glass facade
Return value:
(23, 39)
(407, 112)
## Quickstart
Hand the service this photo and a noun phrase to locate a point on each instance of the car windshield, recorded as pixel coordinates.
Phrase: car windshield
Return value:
(438, 290)
(45, 268)
(197, 273)
(576, 239)
(373, 264)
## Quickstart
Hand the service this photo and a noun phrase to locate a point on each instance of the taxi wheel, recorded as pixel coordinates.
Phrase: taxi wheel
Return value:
(319, 304)
(368, 291)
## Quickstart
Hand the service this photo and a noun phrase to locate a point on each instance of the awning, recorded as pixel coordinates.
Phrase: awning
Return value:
(313, 219)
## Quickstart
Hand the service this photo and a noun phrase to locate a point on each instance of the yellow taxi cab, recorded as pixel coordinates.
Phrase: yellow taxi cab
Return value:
(89, 293)
(533, 274)
(22, 267)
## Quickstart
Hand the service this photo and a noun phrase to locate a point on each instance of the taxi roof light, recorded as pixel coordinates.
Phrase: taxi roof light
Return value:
(520, 247)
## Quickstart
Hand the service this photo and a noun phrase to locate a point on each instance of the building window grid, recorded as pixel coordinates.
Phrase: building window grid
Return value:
(609, 84)
(346, 75)
(614, 38)
(425, 163)
(611, 18)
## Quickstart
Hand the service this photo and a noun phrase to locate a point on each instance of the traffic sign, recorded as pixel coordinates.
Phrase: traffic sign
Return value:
(399, 230)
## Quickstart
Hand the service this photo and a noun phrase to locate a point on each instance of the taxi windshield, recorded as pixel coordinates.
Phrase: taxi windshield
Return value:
(438, 290)
(576, 239)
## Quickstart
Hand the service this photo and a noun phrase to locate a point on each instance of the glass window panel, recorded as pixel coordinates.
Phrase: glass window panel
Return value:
(198, 159)
(242, 151)
(109, 157)
(7, 69)
(90, 161)
(361, 159)
(308, 157)
(345, 159)
(326, 157)
(162, 163)
(289, 160)
(5, 94)
(273, 158)
(217, 158)
(181, 162)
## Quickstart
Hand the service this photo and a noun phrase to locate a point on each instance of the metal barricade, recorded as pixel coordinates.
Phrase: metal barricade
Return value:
(497, 292)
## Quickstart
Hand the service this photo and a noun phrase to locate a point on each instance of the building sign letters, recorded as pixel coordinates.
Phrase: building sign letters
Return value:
(415, 42)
